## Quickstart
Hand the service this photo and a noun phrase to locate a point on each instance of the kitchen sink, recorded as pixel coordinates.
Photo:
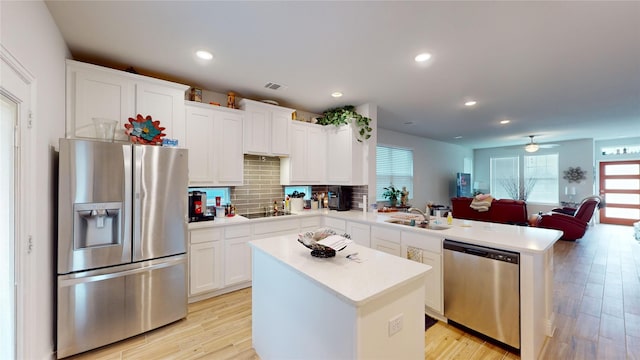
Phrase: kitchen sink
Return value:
(266, 214)
(418, 224)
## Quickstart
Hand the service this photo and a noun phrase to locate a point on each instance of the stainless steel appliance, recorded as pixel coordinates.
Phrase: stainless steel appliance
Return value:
(339, 198)
(122, 259)
(482, 290)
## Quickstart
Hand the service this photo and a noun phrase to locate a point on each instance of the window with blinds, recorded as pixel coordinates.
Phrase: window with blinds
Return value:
(536, 182)
(394, 166)
(543, 170)
(505, 177)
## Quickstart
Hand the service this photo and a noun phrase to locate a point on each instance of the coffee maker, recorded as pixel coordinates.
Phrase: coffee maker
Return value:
(197, 205)
(339, 198)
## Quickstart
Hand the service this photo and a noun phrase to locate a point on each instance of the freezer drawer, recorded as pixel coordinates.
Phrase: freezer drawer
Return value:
(101, 307)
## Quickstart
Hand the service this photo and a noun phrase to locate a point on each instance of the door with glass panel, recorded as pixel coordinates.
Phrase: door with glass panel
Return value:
(620, 189)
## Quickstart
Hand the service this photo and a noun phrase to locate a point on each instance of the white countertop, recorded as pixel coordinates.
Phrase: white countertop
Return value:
(357, 282)
(521, 239)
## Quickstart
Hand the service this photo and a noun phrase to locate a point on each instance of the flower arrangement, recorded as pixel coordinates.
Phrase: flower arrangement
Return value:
(574, 174)
(143, 130)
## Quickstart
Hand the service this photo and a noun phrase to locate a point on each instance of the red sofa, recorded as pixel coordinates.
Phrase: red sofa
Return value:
(505, 211)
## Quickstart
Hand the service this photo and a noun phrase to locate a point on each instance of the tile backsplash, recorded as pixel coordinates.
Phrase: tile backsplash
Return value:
(262, 186)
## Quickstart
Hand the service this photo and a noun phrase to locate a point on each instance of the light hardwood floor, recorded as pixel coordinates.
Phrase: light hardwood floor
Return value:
(596, 299)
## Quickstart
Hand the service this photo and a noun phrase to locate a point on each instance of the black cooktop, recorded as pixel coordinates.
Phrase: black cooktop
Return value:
(262, 215)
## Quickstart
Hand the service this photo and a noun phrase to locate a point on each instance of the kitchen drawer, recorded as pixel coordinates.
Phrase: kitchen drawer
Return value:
(233, 232)
(276, 226)
(335, 224)
(426, 242)
(392, 235)
(310, 223)
(386, 246)
(198, 236)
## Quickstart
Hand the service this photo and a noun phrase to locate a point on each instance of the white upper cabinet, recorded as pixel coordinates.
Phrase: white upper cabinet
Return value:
(267, 128)
(214, 139)
(99, 92)
(347, 159)
(307, 163)
(165, 104)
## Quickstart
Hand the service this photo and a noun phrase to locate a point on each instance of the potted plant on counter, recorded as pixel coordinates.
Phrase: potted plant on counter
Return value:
(392, 194)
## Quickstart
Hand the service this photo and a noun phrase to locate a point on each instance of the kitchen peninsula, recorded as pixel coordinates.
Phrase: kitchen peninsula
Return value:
(374, 230)
(371, 306)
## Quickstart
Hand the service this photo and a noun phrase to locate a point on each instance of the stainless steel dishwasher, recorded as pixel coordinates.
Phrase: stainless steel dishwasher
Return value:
(482, 290)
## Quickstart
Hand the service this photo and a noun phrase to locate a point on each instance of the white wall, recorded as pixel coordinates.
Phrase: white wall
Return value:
(370, 111)
(30, 35)
(570, 154)
(435, 165)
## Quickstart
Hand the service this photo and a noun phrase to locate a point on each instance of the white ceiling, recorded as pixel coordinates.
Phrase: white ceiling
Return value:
(559, 70)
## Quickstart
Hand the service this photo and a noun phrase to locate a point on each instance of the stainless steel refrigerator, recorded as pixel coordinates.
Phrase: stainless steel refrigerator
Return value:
(121, 255)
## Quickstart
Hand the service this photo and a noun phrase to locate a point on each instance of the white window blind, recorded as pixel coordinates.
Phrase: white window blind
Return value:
(505, 177)
(394, 166)
(543, 169)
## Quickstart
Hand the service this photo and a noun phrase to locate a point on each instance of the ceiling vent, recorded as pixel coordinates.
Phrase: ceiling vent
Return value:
(273, 86)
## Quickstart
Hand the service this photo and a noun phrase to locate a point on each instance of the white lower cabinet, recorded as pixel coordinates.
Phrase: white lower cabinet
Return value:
(237, 254)
(205, 260)
(338, 225)
(427, 249)
(287, 225)
(385, 240)
(310, 223)
(360, 233)
(220, 257)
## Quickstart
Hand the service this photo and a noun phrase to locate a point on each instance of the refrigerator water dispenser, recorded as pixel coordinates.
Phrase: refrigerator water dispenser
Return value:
(97, 224)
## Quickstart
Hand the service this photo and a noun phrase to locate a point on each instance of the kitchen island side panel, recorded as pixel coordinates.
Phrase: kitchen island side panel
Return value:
(296, 317)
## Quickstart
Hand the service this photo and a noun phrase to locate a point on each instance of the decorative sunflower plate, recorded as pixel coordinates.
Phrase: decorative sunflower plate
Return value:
(144, 130)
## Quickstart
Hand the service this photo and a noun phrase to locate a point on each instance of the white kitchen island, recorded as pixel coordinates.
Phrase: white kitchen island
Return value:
(335, 308)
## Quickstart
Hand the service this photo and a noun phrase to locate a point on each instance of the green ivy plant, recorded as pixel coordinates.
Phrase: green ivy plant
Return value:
(343, 116)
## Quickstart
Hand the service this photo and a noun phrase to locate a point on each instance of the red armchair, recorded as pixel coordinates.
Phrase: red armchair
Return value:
(573, 225)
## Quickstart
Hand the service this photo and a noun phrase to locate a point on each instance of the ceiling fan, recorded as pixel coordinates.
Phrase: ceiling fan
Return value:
(533, 146)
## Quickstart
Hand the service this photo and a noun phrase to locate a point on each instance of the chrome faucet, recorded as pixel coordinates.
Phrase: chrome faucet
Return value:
(424, 216)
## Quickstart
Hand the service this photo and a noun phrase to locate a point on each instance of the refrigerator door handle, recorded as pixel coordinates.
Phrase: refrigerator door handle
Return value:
(126, 228)
(137, 193)
(88, 279)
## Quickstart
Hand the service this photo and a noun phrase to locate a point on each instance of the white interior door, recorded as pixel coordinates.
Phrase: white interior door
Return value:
(17, 161)
(8, 117)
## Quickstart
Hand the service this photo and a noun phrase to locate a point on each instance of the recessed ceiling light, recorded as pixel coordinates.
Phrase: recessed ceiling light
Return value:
(505, 122)
(470, 103)
(204, 55)
(458, 137)
(336, 94)
(422, 57)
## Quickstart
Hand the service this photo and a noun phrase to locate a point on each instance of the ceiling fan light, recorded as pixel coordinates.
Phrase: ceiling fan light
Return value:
(531, 147)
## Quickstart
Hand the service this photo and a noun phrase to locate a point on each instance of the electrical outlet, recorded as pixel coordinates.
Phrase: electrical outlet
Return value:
(395, 324)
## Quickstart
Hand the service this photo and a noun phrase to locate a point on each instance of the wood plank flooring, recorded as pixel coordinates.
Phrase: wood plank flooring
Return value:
(596, 299)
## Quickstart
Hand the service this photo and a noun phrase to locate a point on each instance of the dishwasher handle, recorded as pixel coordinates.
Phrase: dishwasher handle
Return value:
(476, 252)
(481, 251)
